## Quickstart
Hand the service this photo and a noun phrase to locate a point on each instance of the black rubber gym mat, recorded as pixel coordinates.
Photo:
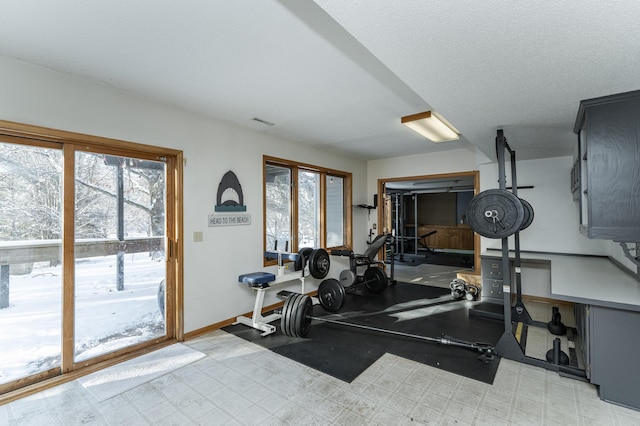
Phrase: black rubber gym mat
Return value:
(461, 260)
(345, 352)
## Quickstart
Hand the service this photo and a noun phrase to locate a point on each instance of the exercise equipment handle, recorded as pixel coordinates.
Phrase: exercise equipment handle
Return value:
(337, 252)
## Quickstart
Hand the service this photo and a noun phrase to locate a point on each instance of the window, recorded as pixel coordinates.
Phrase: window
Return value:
(335, 211)
(277, 206)
(305, 206)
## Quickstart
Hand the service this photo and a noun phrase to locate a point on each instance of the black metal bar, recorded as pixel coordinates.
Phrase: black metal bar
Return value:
(519, 311)
(390, 243)
(501, 145)
(401, 224)
(446, 340)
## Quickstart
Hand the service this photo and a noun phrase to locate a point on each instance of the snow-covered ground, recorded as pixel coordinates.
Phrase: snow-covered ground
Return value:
(105, 319)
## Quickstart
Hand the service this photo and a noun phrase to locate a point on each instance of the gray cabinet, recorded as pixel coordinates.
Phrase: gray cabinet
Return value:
(611, 352)
(606, 169)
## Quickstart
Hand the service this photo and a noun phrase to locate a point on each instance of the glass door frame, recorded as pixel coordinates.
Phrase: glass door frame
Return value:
(69, 143)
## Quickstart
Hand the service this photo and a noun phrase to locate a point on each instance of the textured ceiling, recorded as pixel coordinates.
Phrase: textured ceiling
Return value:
(338, 74)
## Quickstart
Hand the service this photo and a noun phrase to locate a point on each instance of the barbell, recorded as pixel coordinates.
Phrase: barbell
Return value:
(332, 292)
(297, 315)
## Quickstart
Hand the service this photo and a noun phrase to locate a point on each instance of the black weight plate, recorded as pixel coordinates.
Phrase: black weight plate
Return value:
(528, 214)
(286, 309)
(292, 315)
(498, 204)
(347, 278)
(375, 279)
(331, 294)
(283, 322)
(319, 263)
(296, 319)
(302, 318)
(286, 321)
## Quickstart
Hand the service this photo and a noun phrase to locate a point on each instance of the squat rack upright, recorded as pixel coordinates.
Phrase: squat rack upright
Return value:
(508, 346)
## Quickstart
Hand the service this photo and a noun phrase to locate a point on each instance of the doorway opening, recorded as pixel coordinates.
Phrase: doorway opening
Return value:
(427, 215)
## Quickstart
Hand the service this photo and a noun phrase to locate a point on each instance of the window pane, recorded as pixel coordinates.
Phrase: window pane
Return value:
(335, 211)
(119, 253)
(30, 274)
(278, 202)
(308, 209)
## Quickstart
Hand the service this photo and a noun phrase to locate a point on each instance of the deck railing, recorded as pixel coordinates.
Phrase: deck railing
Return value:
(32, 251)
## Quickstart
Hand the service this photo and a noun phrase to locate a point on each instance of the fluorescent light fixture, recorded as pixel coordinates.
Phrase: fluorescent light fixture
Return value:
(432, 126)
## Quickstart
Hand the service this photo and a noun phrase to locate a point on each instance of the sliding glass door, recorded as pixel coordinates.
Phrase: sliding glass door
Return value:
(90, 265)
(30, 268)
(120, 267)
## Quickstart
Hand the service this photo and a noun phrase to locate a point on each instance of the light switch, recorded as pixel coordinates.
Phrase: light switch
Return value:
(197, 237)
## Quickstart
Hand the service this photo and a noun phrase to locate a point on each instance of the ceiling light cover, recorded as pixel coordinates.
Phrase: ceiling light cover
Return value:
(432, 126)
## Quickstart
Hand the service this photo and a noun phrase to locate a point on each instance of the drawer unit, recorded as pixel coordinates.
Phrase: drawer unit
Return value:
(492, 290)
(492, 279)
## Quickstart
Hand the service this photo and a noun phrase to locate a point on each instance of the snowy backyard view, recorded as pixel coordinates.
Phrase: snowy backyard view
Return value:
(105, 320)
(118, 214)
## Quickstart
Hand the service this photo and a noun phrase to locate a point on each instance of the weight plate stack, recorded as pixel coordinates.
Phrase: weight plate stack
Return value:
(495, 213)
(296, 315)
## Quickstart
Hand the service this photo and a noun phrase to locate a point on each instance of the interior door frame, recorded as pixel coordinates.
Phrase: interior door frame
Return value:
(382, 182)
(70, 142)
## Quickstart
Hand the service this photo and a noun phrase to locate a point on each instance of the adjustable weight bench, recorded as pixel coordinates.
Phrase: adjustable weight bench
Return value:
(261, 282)
(374, 277)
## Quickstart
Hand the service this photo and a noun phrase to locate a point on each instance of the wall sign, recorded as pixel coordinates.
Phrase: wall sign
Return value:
(230, 202)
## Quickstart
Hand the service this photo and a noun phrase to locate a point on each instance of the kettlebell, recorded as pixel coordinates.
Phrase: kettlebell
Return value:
(472, 292)
(458, 291)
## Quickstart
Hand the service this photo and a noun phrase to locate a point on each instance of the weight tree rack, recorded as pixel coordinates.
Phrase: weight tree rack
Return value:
(508, 346)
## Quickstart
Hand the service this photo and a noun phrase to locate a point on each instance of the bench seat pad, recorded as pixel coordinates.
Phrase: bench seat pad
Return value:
(257, 279)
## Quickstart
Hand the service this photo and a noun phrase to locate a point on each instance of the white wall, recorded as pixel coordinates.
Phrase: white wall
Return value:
(37, 96)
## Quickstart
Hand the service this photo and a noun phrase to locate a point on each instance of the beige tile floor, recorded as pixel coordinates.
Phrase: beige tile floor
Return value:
(240, 383)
